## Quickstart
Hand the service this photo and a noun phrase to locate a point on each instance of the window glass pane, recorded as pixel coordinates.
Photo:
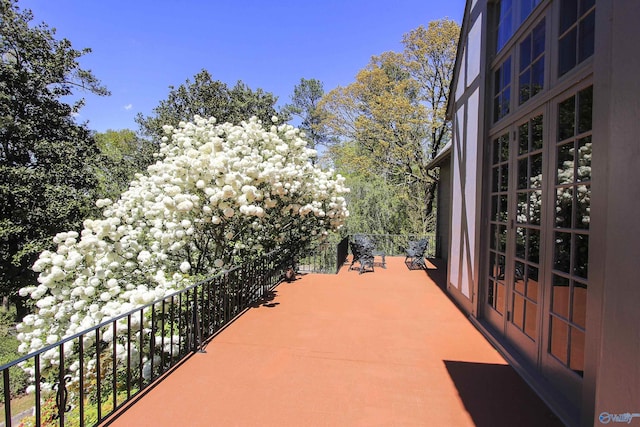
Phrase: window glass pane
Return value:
(506, 72)
(523, 173)
(527, 7)
(535, 179)
(576, 362)
(567, 52)
(504, 208)
(534, 246)
(523, 138)
(502, 241)
(505, 26)
(581, 256)
(522, 208)
(525, 87)
(525, 53)
(496, 151)
(518, 277)
(493, 243)
(495, 179)
(538, 40)
(564, 207)
(504, 177)
(537, 77)
(564, 170)
(504, 148)
(584, 160)
(535, 207)
(493, 267)
(501, 265)
(586, 39)
(521, 242)
(585, 112)
(583, 207)
(562, 252)
(502, 90)
(532, 283)
(536, 130)
(558, 340)
(531, 319)
(560, 296)
(568, 14)
(579, 306)
(494, 208)
(500, 298)
(506, 99)
(518, 311)
(566, 119)
(491, 292)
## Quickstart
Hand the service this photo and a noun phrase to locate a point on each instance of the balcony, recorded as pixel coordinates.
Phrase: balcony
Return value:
(381, 348)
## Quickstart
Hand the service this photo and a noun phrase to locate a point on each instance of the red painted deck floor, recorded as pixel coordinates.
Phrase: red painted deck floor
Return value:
(387, 348)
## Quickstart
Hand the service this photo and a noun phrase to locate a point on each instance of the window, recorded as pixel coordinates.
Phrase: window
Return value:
(531, 70)
(502, 90)
(577, 33)
(526, 7)
(571, 230)
(496, 295)
(505, 23)
(509, 11)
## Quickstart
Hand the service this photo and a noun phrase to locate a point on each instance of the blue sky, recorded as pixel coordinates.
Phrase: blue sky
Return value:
(141, 47)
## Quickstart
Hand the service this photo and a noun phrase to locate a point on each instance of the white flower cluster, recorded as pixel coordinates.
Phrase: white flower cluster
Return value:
(217, 192)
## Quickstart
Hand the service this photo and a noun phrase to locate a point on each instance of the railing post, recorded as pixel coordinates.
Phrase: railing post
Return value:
(7, 398)
(196, 325)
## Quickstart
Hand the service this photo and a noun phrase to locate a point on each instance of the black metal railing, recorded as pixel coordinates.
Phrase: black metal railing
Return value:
(326, 257)
(86, 377)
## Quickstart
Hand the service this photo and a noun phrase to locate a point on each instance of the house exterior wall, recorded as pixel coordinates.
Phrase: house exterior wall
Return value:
(444, 210)
(465, 158)
(608, 383)
(615, 350)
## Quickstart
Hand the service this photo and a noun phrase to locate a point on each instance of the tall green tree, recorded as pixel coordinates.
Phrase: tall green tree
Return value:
(375, 205)
(206, 97)
(124, 154)
(395, 113)
(304, 105)
(47, 180)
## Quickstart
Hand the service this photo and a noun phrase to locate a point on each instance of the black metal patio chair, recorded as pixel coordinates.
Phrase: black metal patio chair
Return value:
(362, 250)
(415, 254)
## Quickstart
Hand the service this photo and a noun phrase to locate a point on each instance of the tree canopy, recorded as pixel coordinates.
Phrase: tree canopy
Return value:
(124, 154)
(304, 105)
(206, 97)
(395, 114)
(47, 183)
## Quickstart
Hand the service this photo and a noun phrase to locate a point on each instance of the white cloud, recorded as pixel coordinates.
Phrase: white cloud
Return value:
(128, 107)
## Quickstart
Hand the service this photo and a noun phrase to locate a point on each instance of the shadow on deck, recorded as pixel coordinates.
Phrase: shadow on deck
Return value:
(383, 348)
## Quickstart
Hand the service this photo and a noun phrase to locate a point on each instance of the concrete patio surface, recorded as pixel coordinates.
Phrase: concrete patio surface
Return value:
(387, 348)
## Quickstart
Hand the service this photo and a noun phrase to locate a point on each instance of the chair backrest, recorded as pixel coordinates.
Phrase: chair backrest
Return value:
(362, 246)
(417, 248)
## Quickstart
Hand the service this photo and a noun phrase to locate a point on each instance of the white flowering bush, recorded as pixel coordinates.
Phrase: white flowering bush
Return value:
(218, 195)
